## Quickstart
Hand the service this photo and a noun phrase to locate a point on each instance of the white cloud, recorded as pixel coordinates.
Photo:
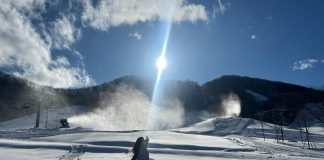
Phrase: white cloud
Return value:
(21, 46)
(322, 61)
(220, 8)
(304, 64)
(26, 47)
(253, 37)
(109, 13)
(64, 33)
(27, 6)
(135, 35)
(61, 61)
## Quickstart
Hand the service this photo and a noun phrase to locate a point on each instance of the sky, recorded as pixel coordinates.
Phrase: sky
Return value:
(83, 43)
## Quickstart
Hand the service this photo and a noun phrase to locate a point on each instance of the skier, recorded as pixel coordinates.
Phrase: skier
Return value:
(140, 149)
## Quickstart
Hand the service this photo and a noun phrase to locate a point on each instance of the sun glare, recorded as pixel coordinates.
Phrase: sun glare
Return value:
(161, 62)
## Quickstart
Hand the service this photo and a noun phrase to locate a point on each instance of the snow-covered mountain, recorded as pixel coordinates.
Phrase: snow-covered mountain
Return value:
(19, 97)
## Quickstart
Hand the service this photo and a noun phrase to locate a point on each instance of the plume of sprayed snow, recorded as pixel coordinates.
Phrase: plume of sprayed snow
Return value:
(231, 105)
(193, 117)
(129, 109)
(169, 115)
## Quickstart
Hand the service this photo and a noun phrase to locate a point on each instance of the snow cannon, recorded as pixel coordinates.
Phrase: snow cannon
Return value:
(64, 123)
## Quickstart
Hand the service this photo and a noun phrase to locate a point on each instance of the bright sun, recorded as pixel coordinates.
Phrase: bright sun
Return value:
(161, 62)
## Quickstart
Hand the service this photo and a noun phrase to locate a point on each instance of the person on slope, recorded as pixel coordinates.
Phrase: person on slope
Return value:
(140, 149)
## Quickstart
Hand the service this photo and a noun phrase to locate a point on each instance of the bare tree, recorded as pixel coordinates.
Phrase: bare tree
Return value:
(276, 126)
(281, 121)
(46, 118)
(42, 95)
(37, 116)
(301, 133)
(309, 140)
(302, 119)
(304, 129)
(214, 122)
(262, 118)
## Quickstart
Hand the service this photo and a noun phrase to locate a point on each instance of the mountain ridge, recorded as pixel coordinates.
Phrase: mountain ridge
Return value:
(20, 96)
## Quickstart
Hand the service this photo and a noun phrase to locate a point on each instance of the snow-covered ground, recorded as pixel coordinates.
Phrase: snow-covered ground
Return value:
(229, 138)
(54, 115)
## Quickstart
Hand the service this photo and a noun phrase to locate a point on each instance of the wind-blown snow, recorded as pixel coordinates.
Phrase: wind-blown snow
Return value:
(257, 96)
(231, 105)
(130, 109)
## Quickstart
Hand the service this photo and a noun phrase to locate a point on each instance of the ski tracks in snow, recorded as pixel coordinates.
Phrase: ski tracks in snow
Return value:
(275, 149)
(74, 153)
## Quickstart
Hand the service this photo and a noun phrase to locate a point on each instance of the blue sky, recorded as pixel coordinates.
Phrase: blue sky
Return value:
(80, 43)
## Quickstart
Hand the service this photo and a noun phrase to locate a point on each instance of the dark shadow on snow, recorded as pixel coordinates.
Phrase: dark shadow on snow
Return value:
(170, 146)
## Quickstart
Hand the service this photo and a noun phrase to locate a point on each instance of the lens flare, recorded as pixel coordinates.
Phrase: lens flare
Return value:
(161, 62)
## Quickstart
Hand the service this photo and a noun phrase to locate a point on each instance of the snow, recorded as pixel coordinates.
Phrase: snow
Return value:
(201, 127)
(214, 138)
(225, 126)
(54, 116)
(259, 97)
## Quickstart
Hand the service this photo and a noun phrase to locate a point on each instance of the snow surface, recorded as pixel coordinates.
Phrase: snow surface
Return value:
(54, 116)
(215, 138)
